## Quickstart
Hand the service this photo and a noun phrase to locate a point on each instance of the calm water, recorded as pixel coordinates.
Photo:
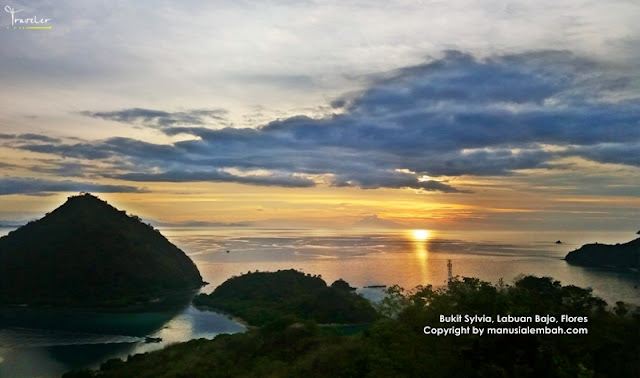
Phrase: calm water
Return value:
(53, 342)
(399, 257)
(50, 343)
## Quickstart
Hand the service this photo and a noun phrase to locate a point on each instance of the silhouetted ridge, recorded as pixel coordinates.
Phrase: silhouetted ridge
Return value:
(619, 256)
(88, 253)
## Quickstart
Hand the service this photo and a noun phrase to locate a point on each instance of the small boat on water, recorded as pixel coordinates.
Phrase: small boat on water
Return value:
(150, 339)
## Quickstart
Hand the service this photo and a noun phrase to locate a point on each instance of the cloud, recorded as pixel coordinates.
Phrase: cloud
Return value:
(78, 150)
(29, 137)
(382, 179)
(42, 187)
(282, 180)
(161, 119)
(37, 137)
(281, 80)
(617, 153)
(65, 168)
(411, 128)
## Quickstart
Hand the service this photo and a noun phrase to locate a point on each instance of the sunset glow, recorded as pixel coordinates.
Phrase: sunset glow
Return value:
(421, 234)
(472, 130)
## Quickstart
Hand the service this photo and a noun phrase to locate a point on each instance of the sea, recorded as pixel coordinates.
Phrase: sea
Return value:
(48, 342)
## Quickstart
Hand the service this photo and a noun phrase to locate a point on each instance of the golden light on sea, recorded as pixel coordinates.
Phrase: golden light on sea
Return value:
(419, 241)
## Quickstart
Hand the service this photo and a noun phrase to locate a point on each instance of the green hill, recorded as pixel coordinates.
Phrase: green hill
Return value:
(264, 297)
(86, 253)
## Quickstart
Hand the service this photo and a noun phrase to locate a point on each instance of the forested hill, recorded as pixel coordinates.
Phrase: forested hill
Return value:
(263, 297)
(619, 256)
(88, 253)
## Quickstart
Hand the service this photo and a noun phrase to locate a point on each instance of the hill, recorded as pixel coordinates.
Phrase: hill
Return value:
(264, 297)
(619, 256)
(87, 253)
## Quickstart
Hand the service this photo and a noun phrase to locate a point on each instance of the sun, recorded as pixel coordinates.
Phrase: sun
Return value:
(421, 234)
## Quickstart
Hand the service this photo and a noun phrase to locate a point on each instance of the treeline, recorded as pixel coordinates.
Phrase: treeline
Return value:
(396, 346)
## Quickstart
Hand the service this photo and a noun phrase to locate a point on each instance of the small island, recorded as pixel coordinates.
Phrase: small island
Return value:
(88, 254)
(262, 297)
(619, 256)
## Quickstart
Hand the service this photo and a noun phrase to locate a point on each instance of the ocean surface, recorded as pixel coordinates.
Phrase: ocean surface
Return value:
(48, 343)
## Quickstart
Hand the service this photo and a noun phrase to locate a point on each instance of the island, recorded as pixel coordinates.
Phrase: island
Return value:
(87, 253)
(619, 256)
(264, 297)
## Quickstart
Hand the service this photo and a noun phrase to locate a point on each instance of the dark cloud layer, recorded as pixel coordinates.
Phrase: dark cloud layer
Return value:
(40, 187)
(161, 119)
(450, 117)
(29, 138)
(219, 176)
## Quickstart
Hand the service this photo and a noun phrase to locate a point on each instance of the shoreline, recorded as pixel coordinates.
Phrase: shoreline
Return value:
(170, 298)
(232, 317)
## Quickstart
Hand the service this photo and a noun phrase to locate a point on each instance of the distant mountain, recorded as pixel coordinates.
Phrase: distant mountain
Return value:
(87, 253)
(619, 256)
(373, 221)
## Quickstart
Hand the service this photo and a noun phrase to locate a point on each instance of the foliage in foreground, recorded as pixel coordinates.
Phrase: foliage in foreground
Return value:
(396, 346)
(260, 297)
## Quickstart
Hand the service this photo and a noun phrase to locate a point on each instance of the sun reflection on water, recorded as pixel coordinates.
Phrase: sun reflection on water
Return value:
(419, 239)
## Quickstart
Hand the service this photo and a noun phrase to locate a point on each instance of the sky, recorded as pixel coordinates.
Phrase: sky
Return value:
(483, 115)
